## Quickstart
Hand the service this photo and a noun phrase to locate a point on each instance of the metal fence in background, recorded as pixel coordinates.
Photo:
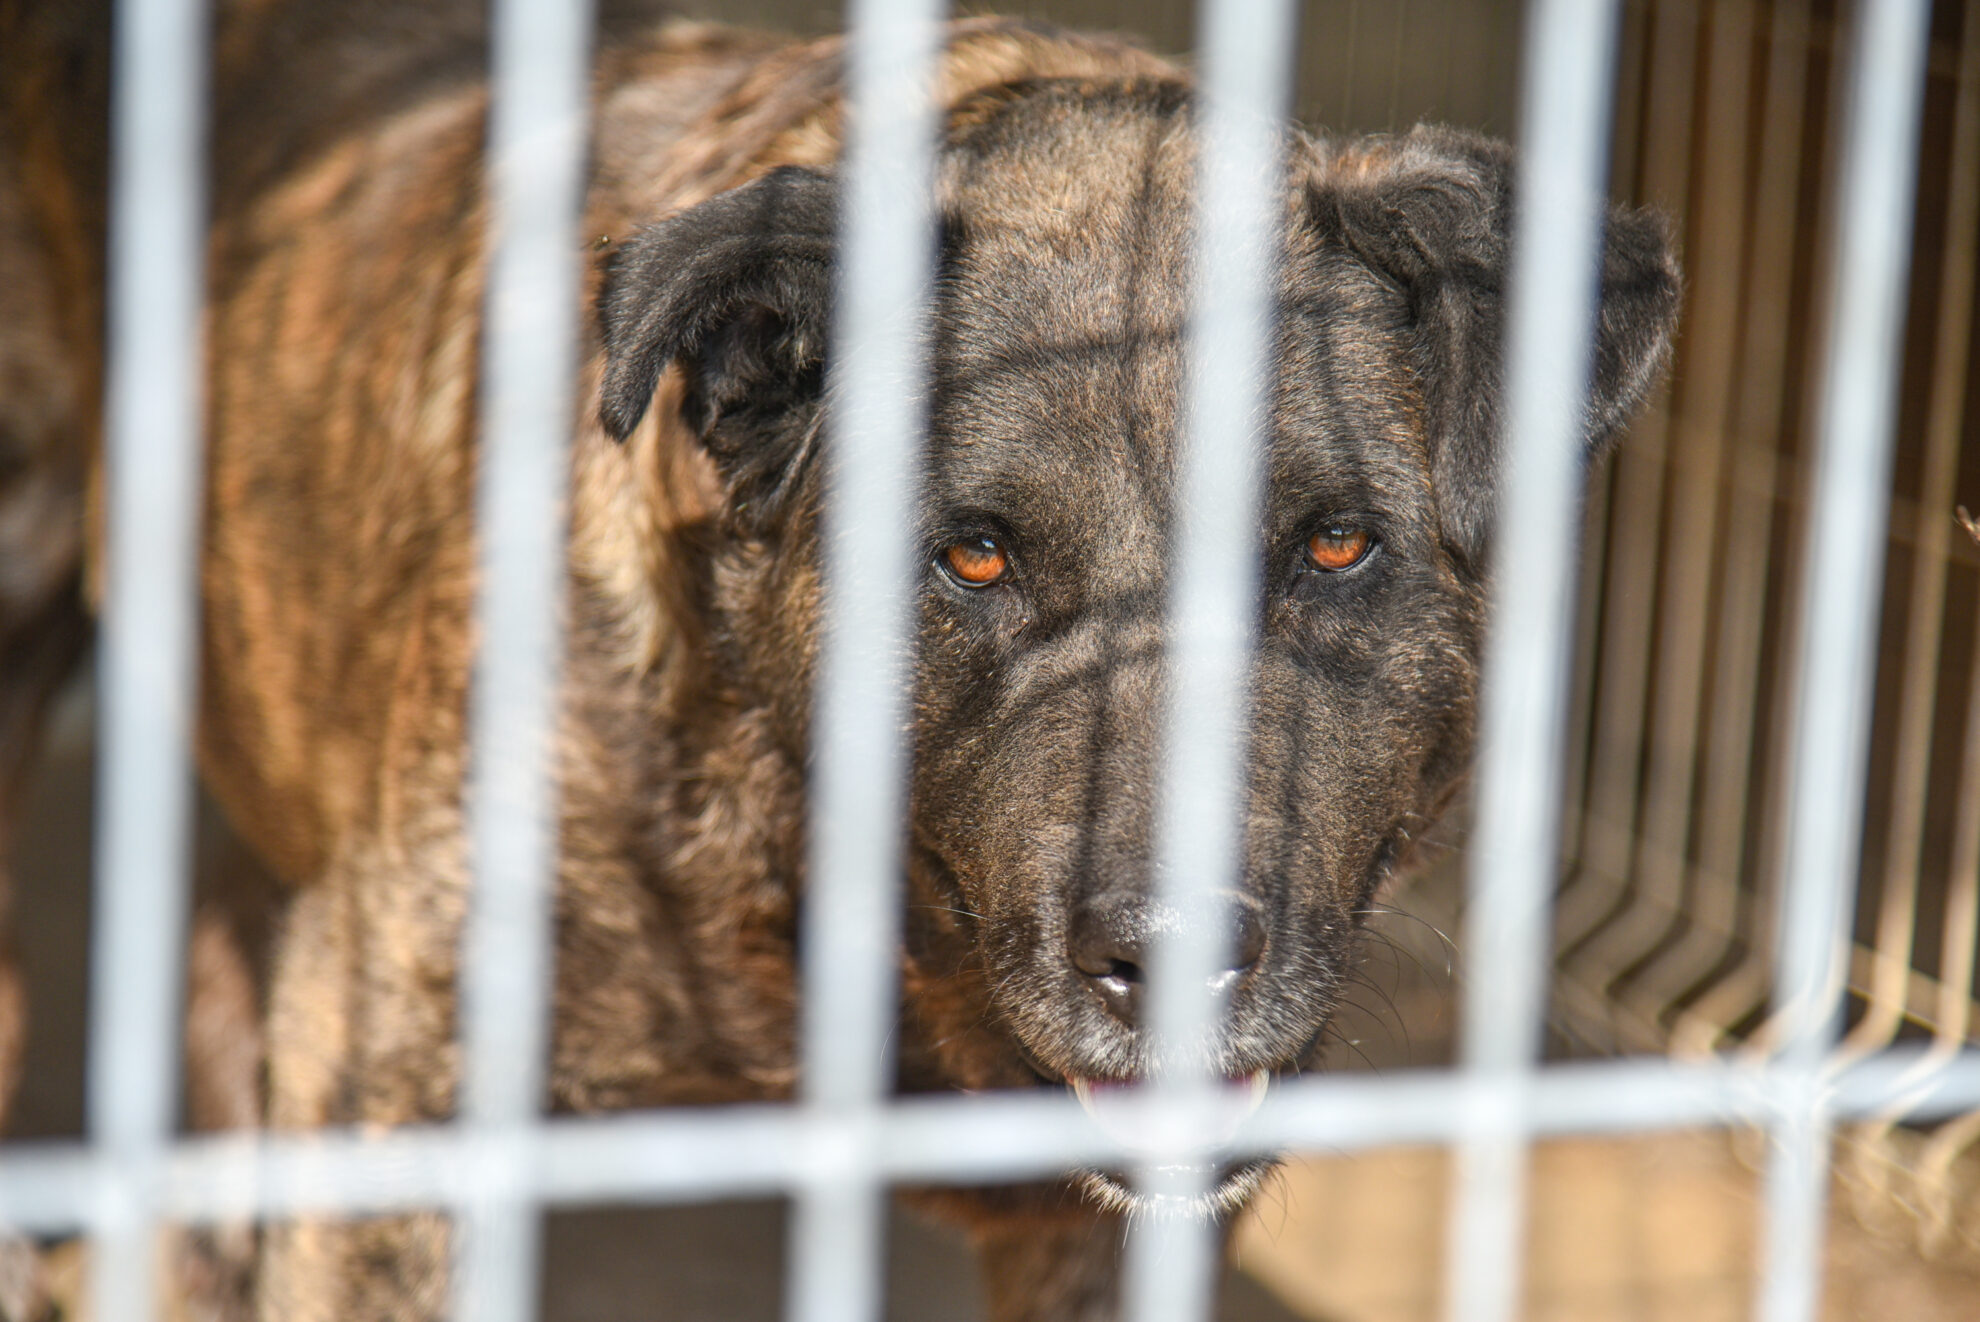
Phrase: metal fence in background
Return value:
(1681, 760)
(839, 1149)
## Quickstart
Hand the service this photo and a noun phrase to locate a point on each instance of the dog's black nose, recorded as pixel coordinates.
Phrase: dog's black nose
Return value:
(1111, 944)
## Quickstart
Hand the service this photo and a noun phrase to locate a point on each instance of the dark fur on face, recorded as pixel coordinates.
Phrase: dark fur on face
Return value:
(1055, 411)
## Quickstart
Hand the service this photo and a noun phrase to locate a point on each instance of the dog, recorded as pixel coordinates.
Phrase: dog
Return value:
(347, 264)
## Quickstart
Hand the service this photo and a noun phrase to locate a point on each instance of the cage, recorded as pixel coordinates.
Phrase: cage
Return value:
(1679, 1114)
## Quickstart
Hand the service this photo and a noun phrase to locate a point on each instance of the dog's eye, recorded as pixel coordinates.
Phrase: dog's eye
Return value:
(1337, 547)
(976, 563)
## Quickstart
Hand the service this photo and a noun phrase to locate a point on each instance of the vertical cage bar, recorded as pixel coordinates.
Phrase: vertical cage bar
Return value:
(1932, 536)
(147, 671)
(851, 915)
(1550, 328)
(1245, 90)
(536, 173)
(1836, 644)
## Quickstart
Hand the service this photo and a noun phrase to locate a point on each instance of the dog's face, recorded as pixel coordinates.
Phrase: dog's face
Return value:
(1046, 523)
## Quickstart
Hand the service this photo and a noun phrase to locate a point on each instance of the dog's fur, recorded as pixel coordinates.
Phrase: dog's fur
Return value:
(347, 265)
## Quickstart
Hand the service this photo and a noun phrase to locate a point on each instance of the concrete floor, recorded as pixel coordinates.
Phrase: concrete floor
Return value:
(725, 1264)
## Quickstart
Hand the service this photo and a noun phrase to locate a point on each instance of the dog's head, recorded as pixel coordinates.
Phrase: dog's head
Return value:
(1045, 533)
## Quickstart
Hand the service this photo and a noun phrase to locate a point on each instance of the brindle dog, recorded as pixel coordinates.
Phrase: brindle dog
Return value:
(347, 270)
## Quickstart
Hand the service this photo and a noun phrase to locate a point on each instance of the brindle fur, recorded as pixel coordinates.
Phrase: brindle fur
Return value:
(346, 280)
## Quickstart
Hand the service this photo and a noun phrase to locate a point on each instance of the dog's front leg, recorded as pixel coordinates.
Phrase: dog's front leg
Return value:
(361, 1032)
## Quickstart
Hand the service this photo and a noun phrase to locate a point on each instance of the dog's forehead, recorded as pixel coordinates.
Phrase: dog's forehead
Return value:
(1068, 215)
(1072, 167)
(1029, 405)
(1060, 338)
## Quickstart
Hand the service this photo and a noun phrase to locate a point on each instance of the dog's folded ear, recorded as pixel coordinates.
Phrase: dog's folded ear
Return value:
(737, 291)
(1432, 211)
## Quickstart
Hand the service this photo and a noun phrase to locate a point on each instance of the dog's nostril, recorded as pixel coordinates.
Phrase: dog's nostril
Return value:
(1108, 949)
(1250, 944)
(1098, 957)
(1110, 944)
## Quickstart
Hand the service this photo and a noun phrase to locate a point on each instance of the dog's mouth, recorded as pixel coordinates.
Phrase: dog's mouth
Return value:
(1201, 1190)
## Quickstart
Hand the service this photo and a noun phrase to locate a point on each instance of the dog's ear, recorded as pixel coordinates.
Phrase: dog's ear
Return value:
(738, 292)
(1432, 211)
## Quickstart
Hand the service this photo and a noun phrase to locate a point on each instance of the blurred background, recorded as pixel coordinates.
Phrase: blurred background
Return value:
(1725, 120)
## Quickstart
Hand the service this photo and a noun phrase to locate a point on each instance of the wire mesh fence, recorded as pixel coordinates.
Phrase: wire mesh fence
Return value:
(1702, 919)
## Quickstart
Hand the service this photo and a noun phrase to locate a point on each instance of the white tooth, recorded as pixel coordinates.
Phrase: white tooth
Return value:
(1117, 1124)
(1260, 1081)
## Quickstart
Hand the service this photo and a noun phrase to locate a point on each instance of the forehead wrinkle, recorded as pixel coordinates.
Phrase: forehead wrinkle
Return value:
(1347, 408)
(1046, 491)
(1060, 164)
(1129, 283)
(1333, 465)
(1086, 391)
(1070, 270)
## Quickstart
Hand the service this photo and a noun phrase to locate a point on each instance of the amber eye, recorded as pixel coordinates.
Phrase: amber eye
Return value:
(976, 563)
(1335, 548)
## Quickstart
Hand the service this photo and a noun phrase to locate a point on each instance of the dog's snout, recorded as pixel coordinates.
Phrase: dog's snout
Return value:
(1111, 945)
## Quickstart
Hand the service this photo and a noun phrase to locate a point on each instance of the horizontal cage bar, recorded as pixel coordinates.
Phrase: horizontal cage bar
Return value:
(758, 1150)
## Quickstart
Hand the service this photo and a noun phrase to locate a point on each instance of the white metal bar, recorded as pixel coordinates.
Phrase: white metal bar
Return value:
(537, 114)
(1244, 90)
(1932, 533)
(852, 910)
(1892, 973)
(1837, 642)
(699, 1154)
(886, 270)
(147, 674)
(1556, 265)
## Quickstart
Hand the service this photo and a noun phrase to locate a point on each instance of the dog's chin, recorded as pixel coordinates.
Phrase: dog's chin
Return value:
(1209, 1191)
(1219, 1193)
